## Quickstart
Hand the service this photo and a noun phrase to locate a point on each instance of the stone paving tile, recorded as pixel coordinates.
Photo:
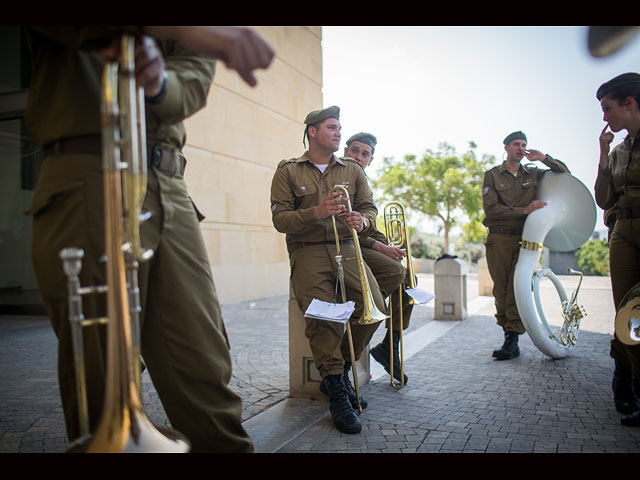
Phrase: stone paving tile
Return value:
(458, 399)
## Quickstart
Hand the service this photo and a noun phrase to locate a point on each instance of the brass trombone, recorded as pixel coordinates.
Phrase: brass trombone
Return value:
(370, 313)
(398, 236)
(123, 427)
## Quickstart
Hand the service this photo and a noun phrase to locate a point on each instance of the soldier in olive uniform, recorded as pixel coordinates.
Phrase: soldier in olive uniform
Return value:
(508, 197)
(302, 207)
(384, 260)
(617, 188)
(183, 340)
(624, 385)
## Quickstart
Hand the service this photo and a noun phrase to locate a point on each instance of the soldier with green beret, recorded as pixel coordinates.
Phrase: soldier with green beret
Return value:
(617, 192)
(508, 192)
(385, 262)
(183, 340)
(302, 206)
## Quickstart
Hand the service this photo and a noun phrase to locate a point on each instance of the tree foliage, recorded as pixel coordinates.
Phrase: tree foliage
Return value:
(593, 256)
(441, 184)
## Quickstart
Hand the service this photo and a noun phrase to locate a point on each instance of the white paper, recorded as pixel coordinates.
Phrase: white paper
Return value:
(334, 312)
(420, 296)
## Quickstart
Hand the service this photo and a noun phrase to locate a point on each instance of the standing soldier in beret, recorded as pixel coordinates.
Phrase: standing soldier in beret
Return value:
(302, 207)
(617, 190)
(385, 263)
(508, 197)
(183, 338)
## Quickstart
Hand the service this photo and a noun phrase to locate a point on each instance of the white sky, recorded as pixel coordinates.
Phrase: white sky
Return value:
(415, 87)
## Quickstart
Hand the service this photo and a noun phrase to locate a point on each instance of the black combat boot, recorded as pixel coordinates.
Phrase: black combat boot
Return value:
(509, 348)
(381, 355)
(622, 385)
(353, 396)
(344, 416)
(632, 420)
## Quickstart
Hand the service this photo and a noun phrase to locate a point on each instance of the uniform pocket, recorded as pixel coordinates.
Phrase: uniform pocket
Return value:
(52, 194)
(303, 193)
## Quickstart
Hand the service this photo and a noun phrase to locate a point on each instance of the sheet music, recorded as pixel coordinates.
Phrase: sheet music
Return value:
(421, 296)
(333, 312)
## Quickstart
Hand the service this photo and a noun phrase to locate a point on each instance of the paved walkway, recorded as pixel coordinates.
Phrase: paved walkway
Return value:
(458, 399)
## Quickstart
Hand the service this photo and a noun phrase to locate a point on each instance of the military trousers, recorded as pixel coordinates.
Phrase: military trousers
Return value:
(392, 277)
(313, 275)
(624, 266)
(183, 340)
(502, 256)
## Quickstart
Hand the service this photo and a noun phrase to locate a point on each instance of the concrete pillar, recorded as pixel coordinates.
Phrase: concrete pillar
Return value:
(485, 283)
(304, 378)
(450, 283)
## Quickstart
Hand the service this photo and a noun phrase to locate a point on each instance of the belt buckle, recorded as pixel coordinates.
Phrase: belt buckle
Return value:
(155, 156)
(167, 161)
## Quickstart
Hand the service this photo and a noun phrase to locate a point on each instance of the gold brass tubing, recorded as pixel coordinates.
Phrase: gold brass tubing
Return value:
(533, 246)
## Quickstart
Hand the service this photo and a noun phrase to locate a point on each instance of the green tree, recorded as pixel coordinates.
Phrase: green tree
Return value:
(441, 184)
(593, 256)
(473, 233)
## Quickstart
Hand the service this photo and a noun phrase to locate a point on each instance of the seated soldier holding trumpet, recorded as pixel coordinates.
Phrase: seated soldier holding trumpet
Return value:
(309, 203)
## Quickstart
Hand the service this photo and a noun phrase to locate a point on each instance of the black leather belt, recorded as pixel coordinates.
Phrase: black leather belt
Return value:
(628, 212)
(171, 162)
(505, 230)
(328, 242)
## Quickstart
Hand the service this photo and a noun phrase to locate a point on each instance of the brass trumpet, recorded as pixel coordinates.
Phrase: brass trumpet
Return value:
(370, 313)
(398, 236)
(123, 427)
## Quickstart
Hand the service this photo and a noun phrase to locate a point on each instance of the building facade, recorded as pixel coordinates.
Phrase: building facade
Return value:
(233, 147)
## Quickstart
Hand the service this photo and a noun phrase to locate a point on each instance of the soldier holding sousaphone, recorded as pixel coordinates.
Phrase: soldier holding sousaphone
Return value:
(508, 193)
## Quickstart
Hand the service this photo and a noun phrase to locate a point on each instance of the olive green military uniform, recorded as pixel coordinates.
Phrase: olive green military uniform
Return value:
(618, 350)
(504, 197)
(184, 342)
(298, 186)
(618, 186)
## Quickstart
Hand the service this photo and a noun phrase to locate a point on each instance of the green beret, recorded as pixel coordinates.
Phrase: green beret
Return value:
(320, 115)
(364, 137)
(514, 136)
(617, 82)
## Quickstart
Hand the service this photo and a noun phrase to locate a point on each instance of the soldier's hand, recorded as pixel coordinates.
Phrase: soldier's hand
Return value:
(605, 140)
(332, 204)
(353, 219)
(148, 59)
(390, 251)
(240, 48)
(534, 155)
(534, 205)
(150, 65)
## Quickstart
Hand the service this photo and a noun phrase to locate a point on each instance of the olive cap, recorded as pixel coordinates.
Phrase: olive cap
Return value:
(363, 137)
(320, 115)
(514, 136)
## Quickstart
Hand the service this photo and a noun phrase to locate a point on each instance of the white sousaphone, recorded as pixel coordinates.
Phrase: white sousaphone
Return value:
(563, 225)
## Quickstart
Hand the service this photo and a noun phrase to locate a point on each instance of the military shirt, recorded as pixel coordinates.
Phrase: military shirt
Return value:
(619, 183)
(298, 186)
(505, 196)
(376, 235)
(67, 61)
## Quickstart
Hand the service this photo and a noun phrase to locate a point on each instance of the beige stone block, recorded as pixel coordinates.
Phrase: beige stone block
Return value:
(234, 145)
